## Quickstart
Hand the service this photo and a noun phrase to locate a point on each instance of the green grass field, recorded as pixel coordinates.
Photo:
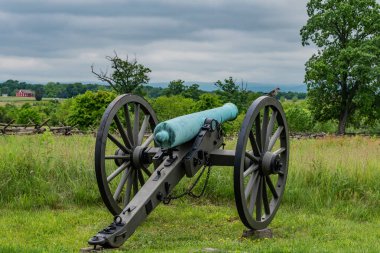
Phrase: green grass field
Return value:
(18, 101)
(49, 201)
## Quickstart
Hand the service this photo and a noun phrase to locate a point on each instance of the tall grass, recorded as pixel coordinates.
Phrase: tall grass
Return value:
(339, 175)
(47, 170)
(342, 174)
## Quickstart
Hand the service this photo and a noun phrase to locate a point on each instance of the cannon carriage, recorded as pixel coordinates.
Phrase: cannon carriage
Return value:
(139, 161)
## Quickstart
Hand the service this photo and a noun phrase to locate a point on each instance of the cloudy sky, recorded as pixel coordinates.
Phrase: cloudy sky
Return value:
(194, 40)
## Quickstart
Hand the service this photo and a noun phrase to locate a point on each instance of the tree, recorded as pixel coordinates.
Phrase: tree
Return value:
(192, 91)
(175, 87)
(229, 91)
(4, 90)
(128, 76)
(39, 93)
(343, 77)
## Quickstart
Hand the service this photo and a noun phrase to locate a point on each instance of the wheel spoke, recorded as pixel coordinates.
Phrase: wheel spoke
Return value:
(120, 186)
(258, 132)
(248, 188)
(252, 201)
(258, 201)
(117, 143)
(255, 147)
(274, 138)
(143, 129)
(136, 124)
(117, 157)
(271, 187)
(118, 171)
(146, 171)
(147, 141)
(122, 132)
(141, 178)
(135, 183)
(279, 151)
(129, 189)
(265, 198)
(250, 169)
(128, 121)
(264, 128)
(252, 157)
(270, 128)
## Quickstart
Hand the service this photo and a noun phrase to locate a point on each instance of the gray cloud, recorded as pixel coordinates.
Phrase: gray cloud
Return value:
(257, 41)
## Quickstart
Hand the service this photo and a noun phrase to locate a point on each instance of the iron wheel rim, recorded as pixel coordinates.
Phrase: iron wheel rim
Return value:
(103, 136)
(258, 183)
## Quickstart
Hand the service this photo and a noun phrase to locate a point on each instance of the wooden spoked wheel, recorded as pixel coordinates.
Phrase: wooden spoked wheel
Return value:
(125, 131)
(261, 163)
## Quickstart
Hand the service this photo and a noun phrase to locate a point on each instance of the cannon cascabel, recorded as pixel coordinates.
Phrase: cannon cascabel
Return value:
(177, 131)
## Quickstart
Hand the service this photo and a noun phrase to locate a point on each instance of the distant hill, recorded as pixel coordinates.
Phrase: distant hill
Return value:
(208, 86)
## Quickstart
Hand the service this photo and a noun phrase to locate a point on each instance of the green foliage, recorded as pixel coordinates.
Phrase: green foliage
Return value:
(299, 119)
(232, 128)
(62, 112)
(251, 97)
(343, 77)
(11, 86)
(11, 112)
(192, 91)
(3, 115)
(178, 87)
(329, 126)
(60, 90)
(208, 101)
(28, 114)
(229, 91)
(50, 90)
(175, 87)
(290, 95)
(87, 109)
(128, 76)
(171, 107)
(153, 92)
(39, 93)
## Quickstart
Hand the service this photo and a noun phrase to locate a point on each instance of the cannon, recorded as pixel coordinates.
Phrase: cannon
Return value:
(138, 161)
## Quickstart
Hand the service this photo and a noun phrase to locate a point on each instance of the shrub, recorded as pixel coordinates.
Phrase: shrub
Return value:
(87, 109)
(27, 114)
(299, 119)
(208, 101)
(171, 107)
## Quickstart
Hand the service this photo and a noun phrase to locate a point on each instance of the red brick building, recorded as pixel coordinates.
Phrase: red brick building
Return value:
(24, 93)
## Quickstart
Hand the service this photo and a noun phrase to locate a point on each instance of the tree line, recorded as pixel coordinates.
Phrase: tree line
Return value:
(69, 90)
(51, 89)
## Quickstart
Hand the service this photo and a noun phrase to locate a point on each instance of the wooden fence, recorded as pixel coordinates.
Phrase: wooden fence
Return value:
(33, 128)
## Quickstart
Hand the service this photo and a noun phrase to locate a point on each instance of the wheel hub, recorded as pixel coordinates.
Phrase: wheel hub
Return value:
(271, 163)
(138, 157)
(120, 161)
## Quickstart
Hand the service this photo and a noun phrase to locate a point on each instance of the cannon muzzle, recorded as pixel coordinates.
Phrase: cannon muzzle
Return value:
(177, 131)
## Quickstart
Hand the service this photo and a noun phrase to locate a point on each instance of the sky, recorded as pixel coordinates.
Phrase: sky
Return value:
(193, 40)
